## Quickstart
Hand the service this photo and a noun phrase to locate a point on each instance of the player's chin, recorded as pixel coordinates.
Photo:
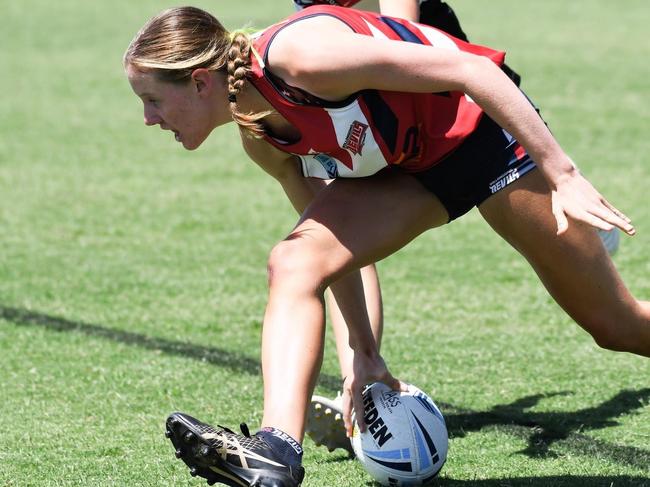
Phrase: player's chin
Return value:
(191, 144)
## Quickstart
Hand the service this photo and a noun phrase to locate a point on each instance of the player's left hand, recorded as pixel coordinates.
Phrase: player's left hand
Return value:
(574, 197)
(366, 369)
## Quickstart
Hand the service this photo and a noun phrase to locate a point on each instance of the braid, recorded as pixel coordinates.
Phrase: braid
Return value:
(238, 63)
(238, 67)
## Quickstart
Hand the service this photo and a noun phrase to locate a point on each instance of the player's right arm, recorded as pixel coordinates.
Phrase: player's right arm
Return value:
(285, 169)
(348, 291)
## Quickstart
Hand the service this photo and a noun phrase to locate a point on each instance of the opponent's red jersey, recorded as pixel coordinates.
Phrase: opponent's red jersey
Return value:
(371, 129)
(342, 3)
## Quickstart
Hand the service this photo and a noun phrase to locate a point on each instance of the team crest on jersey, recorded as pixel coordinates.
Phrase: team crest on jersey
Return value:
(356, 137)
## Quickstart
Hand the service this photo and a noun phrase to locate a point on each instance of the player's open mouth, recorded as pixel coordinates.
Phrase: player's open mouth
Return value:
(177, 136)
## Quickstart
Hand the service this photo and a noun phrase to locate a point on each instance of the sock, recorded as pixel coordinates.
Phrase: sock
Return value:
(288, 449)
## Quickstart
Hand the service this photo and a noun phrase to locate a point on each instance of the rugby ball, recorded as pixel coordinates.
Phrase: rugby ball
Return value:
(405, 441)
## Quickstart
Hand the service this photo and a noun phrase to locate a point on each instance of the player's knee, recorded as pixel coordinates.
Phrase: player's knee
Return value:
(609, 341)
(626, 330)
(294, 261)
(609, 336)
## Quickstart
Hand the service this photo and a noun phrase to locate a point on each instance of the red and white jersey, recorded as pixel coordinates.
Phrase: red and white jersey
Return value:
(371, 129)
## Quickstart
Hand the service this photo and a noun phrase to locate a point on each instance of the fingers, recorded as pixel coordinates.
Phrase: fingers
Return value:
(353, 402)
(617, 212)
(606, 217)
(357, 399)
(599, 222)
(560, 217)
(600, 214)
(619, 220)
(396, 384)
(347, 412)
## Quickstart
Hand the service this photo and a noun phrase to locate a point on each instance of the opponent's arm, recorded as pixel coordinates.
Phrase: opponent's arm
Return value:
(405, 9)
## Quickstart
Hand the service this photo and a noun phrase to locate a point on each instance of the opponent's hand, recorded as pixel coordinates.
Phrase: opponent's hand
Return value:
(365, 370)
(574, 197)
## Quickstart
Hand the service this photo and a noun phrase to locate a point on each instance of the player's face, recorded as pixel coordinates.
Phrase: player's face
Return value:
(178, 107)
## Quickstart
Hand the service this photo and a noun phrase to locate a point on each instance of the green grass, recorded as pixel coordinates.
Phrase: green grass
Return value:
(132, 273)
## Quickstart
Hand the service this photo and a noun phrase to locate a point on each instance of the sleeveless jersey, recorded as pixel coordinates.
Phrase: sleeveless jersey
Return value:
(371, 129)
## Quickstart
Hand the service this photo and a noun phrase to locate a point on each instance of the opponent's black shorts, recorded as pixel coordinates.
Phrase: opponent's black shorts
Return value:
(486, 162)
(438, 14)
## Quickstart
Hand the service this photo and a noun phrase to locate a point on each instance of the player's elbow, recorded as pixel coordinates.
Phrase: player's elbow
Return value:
(474, 69)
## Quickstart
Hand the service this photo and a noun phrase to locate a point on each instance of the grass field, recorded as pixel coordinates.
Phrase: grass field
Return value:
(132, 273)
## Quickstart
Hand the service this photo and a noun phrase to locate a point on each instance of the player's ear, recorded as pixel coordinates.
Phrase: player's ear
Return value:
(202, 80)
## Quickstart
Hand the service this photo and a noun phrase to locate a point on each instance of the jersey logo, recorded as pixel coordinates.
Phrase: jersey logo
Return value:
(329, 164)
(356, 137)
(504, 180)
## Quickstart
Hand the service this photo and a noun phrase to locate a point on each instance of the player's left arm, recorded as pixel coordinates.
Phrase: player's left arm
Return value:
(315, 64)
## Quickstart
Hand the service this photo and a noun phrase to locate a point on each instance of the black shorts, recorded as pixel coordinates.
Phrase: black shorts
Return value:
(486, 162)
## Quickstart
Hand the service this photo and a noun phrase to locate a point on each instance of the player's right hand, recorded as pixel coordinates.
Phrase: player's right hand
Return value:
(366, 370)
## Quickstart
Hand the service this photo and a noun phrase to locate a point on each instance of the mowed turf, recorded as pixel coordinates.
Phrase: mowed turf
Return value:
(133, 281)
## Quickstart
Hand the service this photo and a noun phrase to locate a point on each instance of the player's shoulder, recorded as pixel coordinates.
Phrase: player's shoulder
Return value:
(299, 43)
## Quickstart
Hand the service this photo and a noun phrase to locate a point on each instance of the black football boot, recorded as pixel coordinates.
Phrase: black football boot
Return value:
(220, 455)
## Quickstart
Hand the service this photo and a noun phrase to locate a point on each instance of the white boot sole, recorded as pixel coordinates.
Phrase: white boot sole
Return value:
(325, 424)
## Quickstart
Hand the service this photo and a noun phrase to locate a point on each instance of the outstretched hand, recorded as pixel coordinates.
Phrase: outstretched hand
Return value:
(365, 370)
(574, 197)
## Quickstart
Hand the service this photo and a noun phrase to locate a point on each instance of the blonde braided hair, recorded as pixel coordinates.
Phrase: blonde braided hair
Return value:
(238, 67)
(179, 40)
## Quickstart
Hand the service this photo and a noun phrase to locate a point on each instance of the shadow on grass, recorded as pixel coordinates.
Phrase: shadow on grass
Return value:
(541, 430)
(220, 357)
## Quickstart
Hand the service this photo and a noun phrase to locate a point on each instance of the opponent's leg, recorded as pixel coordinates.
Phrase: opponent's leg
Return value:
(574, 266)
(350, 224)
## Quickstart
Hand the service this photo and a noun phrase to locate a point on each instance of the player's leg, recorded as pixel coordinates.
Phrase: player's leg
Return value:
(325, 414)
(574, 266)
(350, 224)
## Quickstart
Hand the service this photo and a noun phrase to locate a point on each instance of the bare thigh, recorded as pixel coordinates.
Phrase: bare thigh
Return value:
(355, 222)
(574, 266)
